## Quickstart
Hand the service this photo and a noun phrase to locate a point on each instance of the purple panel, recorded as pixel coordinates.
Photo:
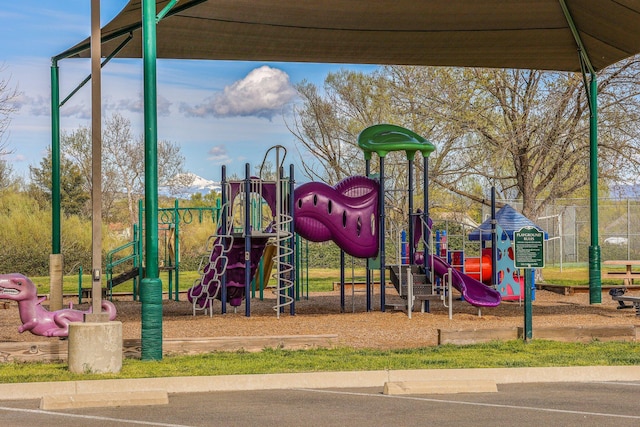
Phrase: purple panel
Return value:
(268, 193)
(235, 272)
(346, 214)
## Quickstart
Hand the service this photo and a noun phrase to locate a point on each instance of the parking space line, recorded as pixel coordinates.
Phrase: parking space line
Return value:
(617, 383)
(89, 417)
(461, 402)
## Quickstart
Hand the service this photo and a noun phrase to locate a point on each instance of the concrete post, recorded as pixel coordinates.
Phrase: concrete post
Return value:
(95, 347)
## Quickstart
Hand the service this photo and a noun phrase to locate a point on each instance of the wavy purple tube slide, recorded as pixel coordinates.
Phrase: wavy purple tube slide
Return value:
(346, 214)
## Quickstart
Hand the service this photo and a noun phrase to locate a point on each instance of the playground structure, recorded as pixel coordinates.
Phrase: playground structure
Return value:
(507, 278)
(423, 276)
(351, 214)
(347, 214)
(471, 255)
(259, 219)
(241, 239)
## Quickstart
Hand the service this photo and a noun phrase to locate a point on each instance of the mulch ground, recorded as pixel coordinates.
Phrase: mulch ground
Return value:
(321, 314)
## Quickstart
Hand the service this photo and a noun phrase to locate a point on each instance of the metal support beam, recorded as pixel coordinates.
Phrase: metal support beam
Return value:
(55, 158)
(410, 216)
(595, 281)
(166, 10)
(96, 162)
(367, 172)
(151, 285)
(247, 241)
(105, 62)
(381, 236)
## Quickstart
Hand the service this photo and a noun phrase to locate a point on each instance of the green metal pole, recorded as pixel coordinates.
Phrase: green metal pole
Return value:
(80, 285)
(151, 286)
(176, 250)
(55, 158)
(528, 312)
(595, 284)
(56, 260)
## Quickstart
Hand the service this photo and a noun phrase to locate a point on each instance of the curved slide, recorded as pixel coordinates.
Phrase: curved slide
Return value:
(474, 292)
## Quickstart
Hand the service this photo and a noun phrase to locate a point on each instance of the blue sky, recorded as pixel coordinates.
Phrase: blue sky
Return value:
(219, 112)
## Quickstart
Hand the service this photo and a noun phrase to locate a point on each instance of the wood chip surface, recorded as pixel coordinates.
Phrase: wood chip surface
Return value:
(320, 314)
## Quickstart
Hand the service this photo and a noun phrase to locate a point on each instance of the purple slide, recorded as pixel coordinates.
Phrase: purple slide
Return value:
(346, 213)
(474, 292)
(235, 270)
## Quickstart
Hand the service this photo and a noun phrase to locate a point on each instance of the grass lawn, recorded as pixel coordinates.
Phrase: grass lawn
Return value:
(574, 275)
(490, 355)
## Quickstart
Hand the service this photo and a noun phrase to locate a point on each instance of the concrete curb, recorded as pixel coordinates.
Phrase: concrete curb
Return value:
(439, 387)
(23, 391)
(92, 400)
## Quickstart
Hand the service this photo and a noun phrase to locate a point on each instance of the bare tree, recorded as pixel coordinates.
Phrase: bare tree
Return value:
(122, 164)
(124, 155)
(8, 97)
(76, 146)
(327, 127)
(524, 131)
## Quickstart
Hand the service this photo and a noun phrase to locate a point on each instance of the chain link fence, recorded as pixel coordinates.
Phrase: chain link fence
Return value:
(567, 222)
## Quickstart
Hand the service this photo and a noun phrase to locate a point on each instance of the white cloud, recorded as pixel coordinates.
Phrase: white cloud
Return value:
(79, 111)
(218, 155)
(264, 93)
(136, 105)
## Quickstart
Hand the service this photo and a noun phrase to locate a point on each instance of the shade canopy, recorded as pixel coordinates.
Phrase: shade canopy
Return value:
(530, 34)
(509, 220)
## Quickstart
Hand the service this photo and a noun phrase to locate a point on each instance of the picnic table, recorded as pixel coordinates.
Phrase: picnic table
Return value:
(627, 275)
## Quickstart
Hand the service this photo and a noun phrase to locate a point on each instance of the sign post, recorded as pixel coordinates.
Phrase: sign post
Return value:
(528, 254)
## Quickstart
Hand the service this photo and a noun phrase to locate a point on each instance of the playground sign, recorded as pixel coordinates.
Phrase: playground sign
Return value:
(529, 248)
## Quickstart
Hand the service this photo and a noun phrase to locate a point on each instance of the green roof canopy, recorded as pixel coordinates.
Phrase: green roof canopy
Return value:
(531, 34)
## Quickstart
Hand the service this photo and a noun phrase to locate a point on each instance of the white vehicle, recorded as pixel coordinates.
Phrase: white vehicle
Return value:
(616, 240)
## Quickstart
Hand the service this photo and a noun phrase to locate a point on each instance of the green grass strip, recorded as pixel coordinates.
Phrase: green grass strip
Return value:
(508, 354)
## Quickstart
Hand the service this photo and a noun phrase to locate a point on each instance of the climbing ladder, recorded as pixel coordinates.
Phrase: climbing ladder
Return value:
(282, 228)
(212, 268)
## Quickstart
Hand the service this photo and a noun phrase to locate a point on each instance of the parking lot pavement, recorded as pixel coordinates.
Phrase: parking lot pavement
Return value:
(584, 404)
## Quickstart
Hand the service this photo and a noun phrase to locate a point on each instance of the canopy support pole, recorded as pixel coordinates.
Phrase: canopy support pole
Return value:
(595, 281)
(151, 285)
(56, 261)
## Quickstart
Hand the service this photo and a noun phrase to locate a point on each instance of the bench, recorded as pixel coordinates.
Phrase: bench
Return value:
(627, 276)
(617, 294)
(87, 292)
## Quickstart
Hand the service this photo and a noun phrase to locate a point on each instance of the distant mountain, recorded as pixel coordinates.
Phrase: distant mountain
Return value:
(186, 184)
